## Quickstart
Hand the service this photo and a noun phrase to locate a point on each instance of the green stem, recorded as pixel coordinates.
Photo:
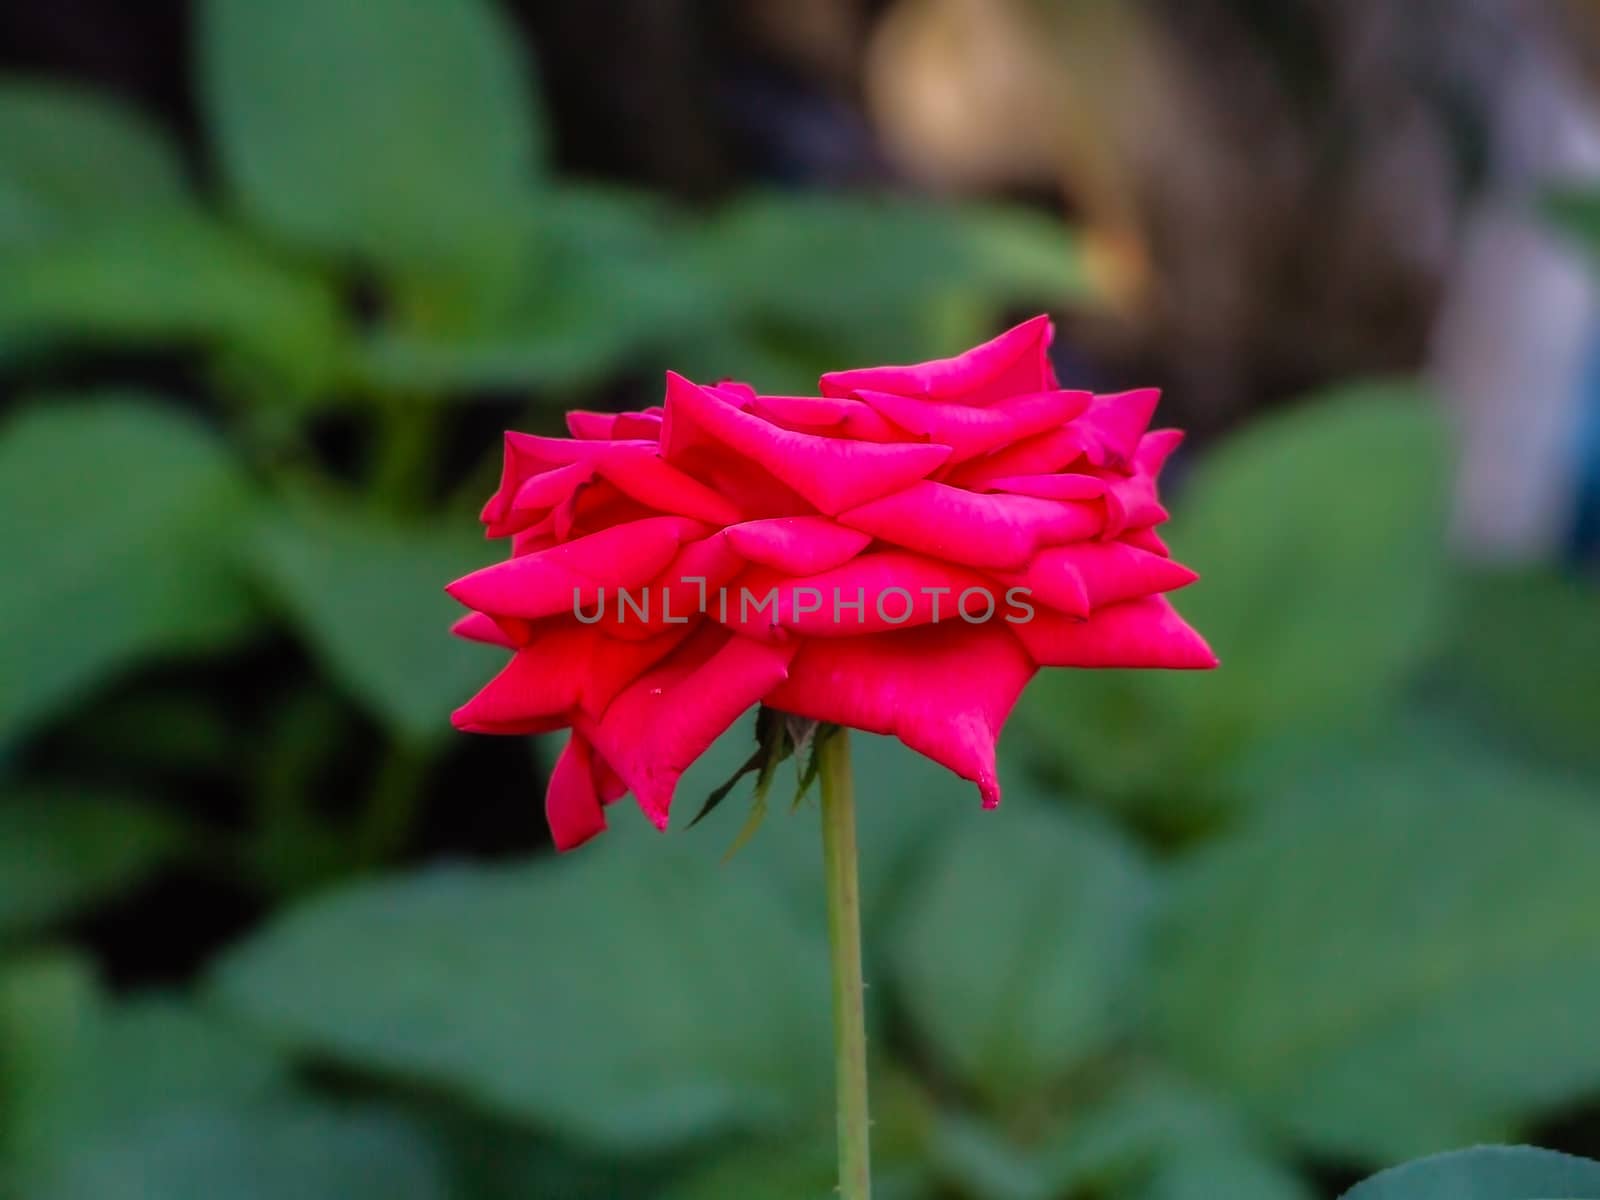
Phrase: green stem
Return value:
(844, 941)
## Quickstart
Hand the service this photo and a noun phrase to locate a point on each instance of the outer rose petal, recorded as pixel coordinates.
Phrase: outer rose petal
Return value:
(528, 455)
(660, 724)
(1017, 361)
(1155, 448)
(681, 595)
(832, 417)
(1113, 425)
(796, 545)
(1092, 575)
(653, 482)
(563, 668)
(1106, 436)
(944, 695)
(979, 530)
(479, 627)
(538, 495)
(970, 430)
(594, 426)
(572, 803)
(1140, 633)
(831, 473)
(549, 581)
(1147, 539)
(1043, 454)
(633, 467)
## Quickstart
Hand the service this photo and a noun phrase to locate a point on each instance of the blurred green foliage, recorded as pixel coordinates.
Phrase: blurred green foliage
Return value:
(1486, 1173)
(1335, 904)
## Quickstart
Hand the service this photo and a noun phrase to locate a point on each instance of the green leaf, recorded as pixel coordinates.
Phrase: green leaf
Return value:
(403, 132)
(125, 513)
(1487, 1173)
(1207, 1173)
(1017, 255)
(368, 595)
(61, 852)
(1402, 958)
(174, 277)
(787, 257)
(1306, 527)
(71, 160)
(80, 1066)
(1524, 650)
(1098, 1142)
(807, 282)
(1318, 534)
(562, 321)
(628, 997)
(1016, 951)
(299, 1150)
(798, 1170)
(46, 1004)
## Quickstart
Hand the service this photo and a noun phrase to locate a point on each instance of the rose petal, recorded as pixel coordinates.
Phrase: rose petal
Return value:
(1015, 362)
(971, 431)
(528, 455)
(1154, 450)
(595, 426)
(1147, 539)
(1106, 435)
(977, 530)
(552, 581)
(1139, 633)
(635, 467)
(682, 594)
(572, 803)
(1042, 454)
(479, 627)
(542, 492)
(832, 474)
(664, 721)
(875, 593)
(1049, 487)
(562, 668)
(1112, 426)
(1079, 578)
(826, 415)
(797, 545)
(944, 696)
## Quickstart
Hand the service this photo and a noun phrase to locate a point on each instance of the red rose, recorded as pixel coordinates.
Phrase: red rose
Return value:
(899, 554)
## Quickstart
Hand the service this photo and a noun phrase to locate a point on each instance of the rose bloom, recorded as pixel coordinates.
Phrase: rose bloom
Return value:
(899, 555)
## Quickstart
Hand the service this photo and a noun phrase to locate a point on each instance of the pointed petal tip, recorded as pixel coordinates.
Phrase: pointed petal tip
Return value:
(1041, 322)
(476, 627)
(1198, 655)
(568, 836)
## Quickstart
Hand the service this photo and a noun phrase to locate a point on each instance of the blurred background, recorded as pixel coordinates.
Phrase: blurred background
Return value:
(274, 277)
